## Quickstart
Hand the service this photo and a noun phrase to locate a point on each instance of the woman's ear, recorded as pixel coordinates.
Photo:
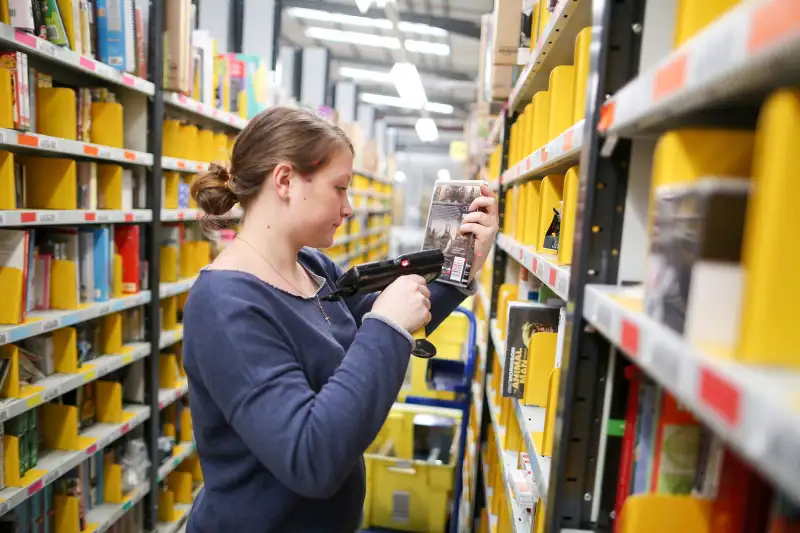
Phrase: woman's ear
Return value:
(282, 177)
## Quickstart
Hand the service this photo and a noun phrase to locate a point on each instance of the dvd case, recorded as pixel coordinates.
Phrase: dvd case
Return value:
(525, 321)
(449, 204)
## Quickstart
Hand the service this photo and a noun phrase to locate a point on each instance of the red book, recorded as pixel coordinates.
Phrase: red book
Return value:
(628, 441)
(127, 240)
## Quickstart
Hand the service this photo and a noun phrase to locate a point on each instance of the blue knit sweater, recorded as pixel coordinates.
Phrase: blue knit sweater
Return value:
(284, 405)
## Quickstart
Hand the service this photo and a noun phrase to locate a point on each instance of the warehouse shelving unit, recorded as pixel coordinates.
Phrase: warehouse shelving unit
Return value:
(640, 86)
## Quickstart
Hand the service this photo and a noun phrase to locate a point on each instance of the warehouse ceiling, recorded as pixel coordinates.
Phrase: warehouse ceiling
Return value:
(442, 40)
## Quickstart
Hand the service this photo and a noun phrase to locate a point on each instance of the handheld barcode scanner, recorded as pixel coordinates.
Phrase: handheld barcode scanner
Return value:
(377, 275)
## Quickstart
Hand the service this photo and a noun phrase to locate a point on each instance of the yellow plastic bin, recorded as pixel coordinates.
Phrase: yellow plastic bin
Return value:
(450, 339)
(405, 493)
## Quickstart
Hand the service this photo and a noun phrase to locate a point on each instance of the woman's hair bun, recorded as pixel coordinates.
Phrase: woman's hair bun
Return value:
(214, 191)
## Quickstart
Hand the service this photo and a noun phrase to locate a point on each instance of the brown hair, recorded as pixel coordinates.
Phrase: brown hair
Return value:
(297, 136)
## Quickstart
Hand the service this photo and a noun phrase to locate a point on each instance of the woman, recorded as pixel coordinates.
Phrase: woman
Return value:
(287, 390)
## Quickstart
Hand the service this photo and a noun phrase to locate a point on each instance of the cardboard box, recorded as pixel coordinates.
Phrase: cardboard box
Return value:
(500, 82)
(506, 31)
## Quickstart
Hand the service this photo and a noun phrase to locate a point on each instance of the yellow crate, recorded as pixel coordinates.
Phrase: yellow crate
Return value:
(404, 493)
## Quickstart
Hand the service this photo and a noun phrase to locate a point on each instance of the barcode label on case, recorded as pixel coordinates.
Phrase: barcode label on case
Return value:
(458, 268)
(401, 507)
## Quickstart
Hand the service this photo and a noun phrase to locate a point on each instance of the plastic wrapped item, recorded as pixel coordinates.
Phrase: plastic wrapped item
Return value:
(135, 464)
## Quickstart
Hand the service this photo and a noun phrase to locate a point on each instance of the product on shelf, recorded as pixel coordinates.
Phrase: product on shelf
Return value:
(450, 202)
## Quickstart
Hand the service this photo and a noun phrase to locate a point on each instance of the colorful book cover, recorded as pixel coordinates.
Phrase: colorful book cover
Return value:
(102, 264)
(86, 245)
(525, 319)
(645, 434)
(676, 449)
(126, 238)
(627, 454)
(450, 203)
(110, 24)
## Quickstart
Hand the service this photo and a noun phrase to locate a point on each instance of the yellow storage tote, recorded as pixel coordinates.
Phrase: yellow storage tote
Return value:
(405, 493)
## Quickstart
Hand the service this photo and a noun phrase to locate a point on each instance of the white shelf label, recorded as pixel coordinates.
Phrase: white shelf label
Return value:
(52, 475)
(51, 393)
(102, 217)
(562, 285)
(665, 363)
(2, 218)
(46, 47)
(50, 325)
(3, 337)
(603, 318)
(48, 144)
(47, 217)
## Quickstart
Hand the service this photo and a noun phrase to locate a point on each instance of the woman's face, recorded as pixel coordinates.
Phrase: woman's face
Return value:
(322, 205)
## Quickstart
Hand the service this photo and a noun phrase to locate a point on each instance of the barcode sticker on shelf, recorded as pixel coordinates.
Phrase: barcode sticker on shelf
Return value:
(602, 316)
(46, 47)
(3, 337)
(401, 506)
(52, 475)
(2, 218)
(48, 144)
(47, 217)
(50, 325)
(51, 393)
(562, 286)
(2, 138)
(665, 363)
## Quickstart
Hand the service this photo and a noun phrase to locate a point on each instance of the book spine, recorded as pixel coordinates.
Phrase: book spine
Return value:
(628, 452)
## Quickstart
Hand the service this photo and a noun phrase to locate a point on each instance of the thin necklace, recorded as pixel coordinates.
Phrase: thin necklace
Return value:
(315, 298)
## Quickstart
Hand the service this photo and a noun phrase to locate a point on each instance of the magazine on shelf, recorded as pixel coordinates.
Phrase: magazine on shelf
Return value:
(525, 321)
(449, 204)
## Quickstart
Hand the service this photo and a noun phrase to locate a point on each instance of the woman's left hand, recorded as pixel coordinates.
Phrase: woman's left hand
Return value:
(482, 222)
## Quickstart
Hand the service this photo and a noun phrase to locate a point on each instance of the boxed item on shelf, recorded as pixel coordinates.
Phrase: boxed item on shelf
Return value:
(450, 202)
(530, 351)
(505, 32)
(17, 64)
(694, 275)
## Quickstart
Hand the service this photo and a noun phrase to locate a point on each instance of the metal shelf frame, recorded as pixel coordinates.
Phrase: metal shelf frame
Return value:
(602, 336)
(590, 371)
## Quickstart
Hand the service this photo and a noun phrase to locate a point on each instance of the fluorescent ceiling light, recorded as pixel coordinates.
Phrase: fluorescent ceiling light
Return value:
(409, 85)
(368, 39)
(443, 174)
(425, 47)
(365, 22)
(426, 130)
(364, 5)
(394, 101)
(365, 39)
(366, 75)
(400, 176)
(445, 109)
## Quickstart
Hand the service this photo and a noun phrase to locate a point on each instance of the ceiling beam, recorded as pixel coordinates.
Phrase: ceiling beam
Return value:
(464, 28)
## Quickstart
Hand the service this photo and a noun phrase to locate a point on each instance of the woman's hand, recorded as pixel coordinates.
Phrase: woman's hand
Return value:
(482, 222)
(406, 302)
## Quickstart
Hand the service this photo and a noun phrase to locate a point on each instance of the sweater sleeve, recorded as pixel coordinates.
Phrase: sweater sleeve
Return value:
(309, 441)
(444, 297)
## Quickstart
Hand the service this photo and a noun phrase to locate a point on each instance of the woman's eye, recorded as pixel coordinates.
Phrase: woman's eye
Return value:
(342, 189)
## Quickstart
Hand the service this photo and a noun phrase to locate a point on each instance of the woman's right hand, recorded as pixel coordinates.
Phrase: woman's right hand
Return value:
(406, 302)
